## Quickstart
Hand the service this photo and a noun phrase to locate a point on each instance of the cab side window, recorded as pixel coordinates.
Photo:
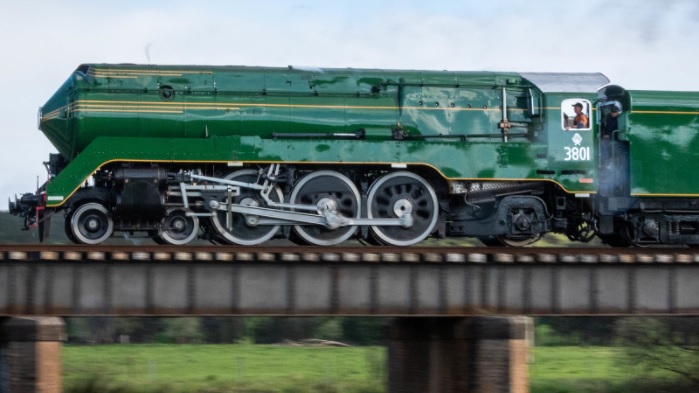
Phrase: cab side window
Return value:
(575, 114)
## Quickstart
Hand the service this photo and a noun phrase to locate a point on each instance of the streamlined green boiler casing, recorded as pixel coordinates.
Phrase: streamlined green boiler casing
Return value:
(449, 121)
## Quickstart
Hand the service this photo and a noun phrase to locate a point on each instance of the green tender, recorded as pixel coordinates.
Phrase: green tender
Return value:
(663, 134)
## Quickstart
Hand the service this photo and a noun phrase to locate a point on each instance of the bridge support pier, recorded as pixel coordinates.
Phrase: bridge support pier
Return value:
(30, 354)
(449, 355)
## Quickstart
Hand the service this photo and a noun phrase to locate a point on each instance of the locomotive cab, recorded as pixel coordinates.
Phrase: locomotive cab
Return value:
(613, 106)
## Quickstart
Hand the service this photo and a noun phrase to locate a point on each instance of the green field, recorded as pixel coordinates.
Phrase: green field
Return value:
(576, 369)
(222, 368)
(278, 368)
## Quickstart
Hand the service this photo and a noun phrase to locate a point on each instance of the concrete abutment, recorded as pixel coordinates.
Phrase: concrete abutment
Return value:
(465, 355)
(30, 354)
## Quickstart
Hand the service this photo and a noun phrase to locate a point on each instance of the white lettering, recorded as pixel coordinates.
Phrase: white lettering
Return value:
(577, 154)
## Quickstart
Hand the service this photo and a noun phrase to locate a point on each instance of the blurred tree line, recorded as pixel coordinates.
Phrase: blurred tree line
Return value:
(650, 346)
(665, 344)
(215, 330)
(559, 331)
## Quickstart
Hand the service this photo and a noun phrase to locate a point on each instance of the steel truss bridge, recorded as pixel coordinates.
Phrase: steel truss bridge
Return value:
(374, 281)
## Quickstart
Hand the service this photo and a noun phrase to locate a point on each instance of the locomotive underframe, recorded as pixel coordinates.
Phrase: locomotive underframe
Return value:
(650, 221)
(175, 204)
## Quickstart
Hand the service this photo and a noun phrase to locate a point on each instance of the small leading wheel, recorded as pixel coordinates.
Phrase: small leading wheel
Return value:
(244, 229)
(336, 197)
(178, 228)
(397, 194)
(90, 224)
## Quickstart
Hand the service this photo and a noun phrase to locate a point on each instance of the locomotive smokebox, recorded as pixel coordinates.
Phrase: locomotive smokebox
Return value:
(56, 119)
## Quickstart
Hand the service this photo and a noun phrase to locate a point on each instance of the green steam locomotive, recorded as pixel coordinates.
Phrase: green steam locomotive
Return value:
(242, 155)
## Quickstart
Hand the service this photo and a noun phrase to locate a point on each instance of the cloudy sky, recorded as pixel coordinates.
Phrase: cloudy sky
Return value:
(650, 44)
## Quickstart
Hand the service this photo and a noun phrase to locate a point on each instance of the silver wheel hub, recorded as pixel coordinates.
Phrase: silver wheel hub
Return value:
(250, 220)
(328, 208)
(93, 224)
(326, 205)
(178, 225)
(402, 207)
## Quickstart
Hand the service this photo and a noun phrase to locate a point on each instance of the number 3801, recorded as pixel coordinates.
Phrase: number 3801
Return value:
(577, 154)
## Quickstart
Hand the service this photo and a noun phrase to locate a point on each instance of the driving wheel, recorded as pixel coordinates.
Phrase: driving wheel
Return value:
(396, 195)
(335, 197)
(244, 229)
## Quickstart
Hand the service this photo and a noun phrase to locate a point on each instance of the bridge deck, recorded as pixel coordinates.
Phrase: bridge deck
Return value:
(66, 281)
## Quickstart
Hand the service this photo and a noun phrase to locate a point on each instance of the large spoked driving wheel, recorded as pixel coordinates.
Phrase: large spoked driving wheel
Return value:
(244, 229)
(395, 195)
(90, 224)
(335, 197)
(178, 228)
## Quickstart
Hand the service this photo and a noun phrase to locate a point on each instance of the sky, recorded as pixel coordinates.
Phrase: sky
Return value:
(647, 45)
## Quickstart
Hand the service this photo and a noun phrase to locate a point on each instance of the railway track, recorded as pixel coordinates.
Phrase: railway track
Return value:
(282, 280)
(304, 254)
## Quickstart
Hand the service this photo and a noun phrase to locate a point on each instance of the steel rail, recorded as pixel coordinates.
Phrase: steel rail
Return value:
(352, 254)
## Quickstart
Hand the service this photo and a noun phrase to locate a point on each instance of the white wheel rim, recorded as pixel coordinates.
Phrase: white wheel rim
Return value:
(95, 223)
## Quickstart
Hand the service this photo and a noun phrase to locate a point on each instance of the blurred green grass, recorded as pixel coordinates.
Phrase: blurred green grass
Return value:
(576, 369)
(223, 368)
(567, 362)
(234, 368)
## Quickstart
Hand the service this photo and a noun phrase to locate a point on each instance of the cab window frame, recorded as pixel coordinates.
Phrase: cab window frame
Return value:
(567, 110)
